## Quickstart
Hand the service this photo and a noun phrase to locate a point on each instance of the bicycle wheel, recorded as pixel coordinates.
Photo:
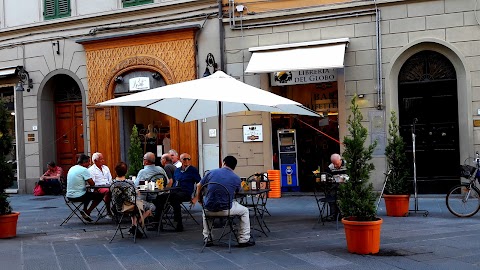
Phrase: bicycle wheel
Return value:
(463, 201)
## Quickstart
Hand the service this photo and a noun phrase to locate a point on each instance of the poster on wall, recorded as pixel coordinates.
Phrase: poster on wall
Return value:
(252, 133)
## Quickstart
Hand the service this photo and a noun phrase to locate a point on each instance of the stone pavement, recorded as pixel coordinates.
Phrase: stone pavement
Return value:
(439, 241)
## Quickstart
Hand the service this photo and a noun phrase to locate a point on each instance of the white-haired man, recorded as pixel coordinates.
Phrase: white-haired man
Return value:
(101, 176)
(175, 158)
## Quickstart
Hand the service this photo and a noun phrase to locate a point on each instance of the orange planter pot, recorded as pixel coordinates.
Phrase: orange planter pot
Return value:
(397, 205)
(363, 237)
(8, 225)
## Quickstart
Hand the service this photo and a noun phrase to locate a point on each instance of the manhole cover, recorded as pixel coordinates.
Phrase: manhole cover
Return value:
(42, 199)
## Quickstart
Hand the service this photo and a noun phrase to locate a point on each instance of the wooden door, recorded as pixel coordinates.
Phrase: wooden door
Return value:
(69, 133)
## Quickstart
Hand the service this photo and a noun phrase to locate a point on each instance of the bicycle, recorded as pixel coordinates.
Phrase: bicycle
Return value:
(463, 200)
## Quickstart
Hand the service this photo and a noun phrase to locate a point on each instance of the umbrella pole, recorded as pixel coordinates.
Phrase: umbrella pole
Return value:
(219, 134)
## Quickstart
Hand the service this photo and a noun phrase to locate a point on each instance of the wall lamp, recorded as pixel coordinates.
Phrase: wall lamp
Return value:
(361, 95)
(210, 60)
(156, 76)
(24, 79)
(119, 79)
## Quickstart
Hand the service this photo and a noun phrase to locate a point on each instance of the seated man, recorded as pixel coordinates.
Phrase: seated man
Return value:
(150, 170)
(77, 178)
(50, 181)
(185, 178)
(216, 205)
(338, 170)
(101, 176)
(147, 208)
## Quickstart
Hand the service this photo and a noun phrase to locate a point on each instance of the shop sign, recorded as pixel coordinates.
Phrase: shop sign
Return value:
(303, 77)
(139, 84)
(253, 133)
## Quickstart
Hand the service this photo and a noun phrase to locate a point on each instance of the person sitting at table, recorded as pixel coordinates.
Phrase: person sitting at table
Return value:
(175, 160)
(216, 205)
(185, 179)
(338, 170)
(146, 208)
(149, 170)
(101, 176)
(50, 181)
(77, 178)
(168, 166)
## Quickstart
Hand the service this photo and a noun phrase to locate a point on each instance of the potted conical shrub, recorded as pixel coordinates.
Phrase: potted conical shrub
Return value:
(396, 193)
(135, 153)
(8, 219)
(356, 197)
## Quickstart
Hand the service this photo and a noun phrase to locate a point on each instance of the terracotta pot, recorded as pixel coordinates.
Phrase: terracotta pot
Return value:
(363, 237)
(397, 205)
(8, 225)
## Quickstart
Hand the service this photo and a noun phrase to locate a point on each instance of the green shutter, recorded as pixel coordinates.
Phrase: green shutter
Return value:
(49, 9)
(130, 3)
(56, 9)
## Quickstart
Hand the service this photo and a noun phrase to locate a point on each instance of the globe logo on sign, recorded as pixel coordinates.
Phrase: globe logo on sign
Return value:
(283, 76)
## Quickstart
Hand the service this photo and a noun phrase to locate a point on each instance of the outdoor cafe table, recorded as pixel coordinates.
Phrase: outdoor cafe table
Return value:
(255, 199)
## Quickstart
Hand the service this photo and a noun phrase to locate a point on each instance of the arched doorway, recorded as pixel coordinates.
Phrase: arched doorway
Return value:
(64, 129)
(427, 97)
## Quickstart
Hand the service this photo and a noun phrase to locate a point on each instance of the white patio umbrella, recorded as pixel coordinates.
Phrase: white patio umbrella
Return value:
(211, 96)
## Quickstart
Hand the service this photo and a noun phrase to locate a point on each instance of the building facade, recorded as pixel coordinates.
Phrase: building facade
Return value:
(416, 58)
(59, 58)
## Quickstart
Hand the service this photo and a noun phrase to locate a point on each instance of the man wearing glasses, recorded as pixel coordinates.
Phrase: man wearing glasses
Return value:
(185, 177)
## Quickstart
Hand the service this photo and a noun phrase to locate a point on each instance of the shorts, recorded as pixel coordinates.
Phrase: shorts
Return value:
(87, 197)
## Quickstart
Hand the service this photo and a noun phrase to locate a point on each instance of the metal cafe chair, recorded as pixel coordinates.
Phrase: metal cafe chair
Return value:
(212, 190)
(325, 192)
(74, 207)
(124, 203)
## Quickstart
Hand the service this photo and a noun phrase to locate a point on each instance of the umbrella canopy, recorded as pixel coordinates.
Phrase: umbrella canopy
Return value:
(201, 98)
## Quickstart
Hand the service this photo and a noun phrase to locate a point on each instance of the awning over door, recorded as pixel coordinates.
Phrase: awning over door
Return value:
(298, 56)
(7, 71)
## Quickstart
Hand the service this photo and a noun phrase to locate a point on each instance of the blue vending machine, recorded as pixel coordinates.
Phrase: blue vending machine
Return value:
(287, 150)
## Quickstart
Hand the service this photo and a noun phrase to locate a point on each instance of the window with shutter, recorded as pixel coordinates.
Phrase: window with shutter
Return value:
(130, 3)
(54, 9)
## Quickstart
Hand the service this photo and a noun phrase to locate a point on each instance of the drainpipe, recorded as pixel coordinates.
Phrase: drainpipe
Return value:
(20, 134)
(379, 60)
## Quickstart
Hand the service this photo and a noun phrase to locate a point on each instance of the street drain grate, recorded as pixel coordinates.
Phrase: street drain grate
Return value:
(42, 199)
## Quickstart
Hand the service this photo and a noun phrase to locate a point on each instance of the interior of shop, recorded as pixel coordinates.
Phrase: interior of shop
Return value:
(7, 96)
(153, 129)
(316, 138)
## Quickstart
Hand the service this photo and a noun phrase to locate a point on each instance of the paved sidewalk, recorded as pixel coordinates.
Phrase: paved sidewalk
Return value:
(439, 241)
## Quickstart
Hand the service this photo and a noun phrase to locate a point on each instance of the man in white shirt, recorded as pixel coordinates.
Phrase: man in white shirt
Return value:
(175, 159)
(101, 176)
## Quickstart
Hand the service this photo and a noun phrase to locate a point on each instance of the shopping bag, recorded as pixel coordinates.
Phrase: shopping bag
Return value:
(37, 190)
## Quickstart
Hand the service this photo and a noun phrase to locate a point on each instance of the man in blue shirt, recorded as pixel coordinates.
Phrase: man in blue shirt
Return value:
(218, 206)
(77, 178)
(185, 178)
